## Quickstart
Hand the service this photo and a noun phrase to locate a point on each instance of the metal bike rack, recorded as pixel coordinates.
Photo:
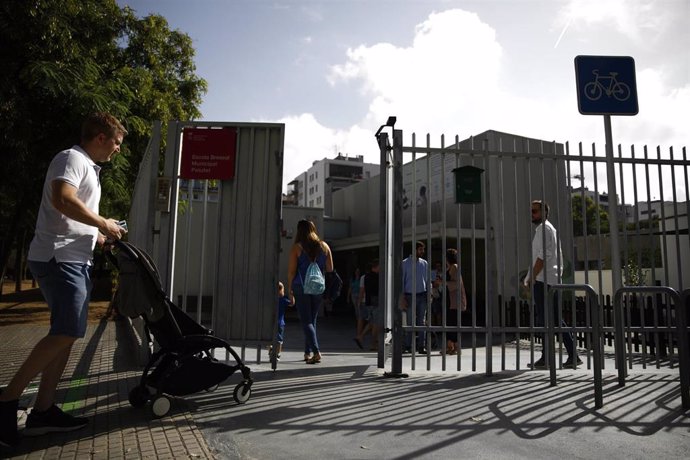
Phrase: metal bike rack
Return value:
(592, 300)
(681, 334)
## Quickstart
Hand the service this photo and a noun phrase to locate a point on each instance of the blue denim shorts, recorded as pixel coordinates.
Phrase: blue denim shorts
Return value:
(66, 287)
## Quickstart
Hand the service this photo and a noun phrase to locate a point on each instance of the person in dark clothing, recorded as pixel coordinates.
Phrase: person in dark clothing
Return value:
(369, 298)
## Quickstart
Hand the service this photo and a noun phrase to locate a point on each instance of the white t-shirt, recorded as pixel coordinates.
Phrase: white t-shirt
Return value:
(553, 253)
(56, 234)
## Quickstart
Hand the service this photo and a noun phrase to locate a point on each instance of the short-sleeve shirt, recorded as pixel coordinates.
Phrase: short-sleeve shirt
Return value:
(56, 235)
(371, 288)
(550, 253)
(355, 283)
(283, 304)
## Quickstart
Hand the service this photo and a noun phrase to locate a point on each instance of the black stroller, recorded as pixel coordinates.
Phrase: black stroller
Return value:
(184, 364)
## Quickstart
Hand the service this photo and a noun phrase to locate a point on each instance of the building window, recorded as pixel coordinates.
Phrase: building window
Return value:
(311, 203)
(316, 188)
(316, 175)
(318, 200)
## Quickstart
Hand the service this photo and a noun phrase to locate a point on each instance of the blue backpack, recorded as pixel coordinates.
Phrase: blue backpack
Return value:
(314, 282)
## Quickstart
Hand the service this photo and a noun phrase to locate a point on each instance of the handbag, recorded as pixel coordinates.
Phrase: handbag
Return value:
(334, 285)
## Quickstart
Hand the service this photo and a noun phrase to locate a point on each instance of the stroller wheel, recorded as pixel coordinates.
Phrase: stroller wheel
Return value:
(138, 396)
(160, 406)
(242, 393)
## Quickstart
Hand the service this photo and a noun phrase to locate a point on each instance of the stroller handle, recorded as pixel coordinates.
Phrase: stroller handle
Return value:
(122, 246)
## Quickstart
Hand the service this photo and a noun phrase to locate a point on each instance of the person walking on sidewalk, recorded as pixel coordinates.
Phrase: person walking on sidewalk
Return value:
(545, 271)
(307, 248)
(368, 300)
(453, 283)
(415, 283)
(67, 229)
(283, 303)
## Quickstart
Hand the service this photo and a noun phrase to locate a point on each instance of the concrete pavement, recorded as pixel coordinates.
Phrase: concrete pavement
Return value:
(346, 408)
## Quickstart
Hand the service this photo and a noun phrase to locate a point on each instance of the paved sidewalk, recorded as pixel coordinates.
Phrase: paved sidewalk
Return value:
(96, 384)
(344, 408)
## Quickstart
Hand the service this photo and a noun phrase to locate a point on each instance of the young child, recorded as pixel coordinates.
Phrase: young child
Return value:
(283, 303)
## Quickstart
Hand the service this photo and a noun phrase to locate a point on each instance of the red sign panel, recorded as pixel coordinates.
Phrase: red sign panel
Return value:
(208, 153)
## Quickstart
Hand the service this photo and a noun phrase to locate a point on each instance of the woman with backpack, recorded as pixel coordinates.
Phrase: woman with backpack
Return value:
(310, 259)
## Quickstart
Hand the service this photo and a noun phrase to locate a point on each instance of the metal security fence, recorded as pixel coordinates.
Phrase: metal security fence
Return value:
(494, 240)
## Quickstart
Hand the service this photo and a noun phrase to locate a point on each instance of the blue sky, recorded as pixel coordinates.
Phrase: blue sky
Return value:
(333, 70)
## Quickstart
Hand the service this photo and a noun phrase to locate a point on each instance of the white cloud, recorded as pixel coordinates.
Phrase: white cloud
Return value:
(635, 19)
(454, 63)
(454, 80)
(306, 141)
(449, 73)
(664, 112)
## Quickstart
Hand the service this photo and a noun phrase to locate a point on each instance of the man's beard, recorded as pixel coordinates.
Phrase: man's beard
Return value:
(536, 221)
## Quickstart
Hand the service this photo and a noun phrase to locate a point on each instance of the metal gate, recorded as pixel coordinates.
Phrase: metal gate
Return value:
(494, 239)
(216, 242)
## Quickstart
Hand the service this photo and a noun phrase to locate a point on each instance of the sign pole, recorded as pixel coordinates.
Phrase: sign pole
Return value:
(615, 248)
(613, 201)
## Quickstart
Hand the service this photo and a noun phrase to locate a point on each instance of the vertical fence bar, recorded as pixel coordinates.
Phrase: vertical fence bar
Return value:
(430, 300)
(532, 319)
(444, 288)
(188, 229)
(427, 313)
(684, 347)
(687, 194)
(488, 282)
(202, 259)
(458, 239)
(413, 258)
(518, 300)
(473, 224)
(501, 262)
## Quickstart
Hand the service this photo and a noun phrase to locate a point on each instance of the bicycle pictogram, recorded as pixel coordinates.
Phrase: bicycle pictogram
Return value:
(594, 89)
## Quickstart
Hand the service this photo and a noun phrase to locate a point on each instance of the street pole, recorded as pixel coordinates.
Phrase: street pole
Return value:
(615, 248)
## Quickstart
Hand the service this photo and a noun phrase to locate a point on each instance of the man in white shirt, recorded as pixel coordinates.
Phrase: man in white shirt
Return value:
(547, 260)
(67, 229)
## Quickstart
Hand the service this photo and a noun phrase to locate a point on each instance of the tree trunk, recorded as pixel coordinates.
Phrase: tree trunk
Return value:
(12, 233)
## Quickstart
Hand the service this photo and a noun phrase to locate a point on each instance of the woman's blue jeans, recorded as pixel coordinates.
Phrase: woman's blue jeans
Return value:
(308, 307)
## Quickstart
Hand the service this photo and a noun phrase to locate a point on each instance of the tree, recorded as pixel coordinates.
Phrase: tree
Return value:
(62, 59)
(592, 211)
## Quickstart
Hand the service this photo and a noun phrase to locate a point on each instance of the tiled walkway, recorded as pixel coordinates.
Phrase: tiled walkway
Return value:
(96, 384)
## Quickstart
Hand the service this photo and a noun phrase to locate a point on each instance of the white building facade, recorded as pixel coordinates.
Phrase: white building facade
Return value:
(314, 187)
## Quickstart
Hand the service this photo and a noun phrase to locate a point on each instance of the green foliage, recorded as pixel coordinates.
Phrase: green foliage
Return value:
(647, 224)
(647, 257)
(62, 59)
(592, 211)
(633, 275)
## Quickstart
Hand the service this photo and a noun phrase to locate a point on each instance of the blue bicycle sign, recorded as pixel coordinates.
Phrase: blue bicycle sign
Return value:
(606, 85)
(595, 89)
